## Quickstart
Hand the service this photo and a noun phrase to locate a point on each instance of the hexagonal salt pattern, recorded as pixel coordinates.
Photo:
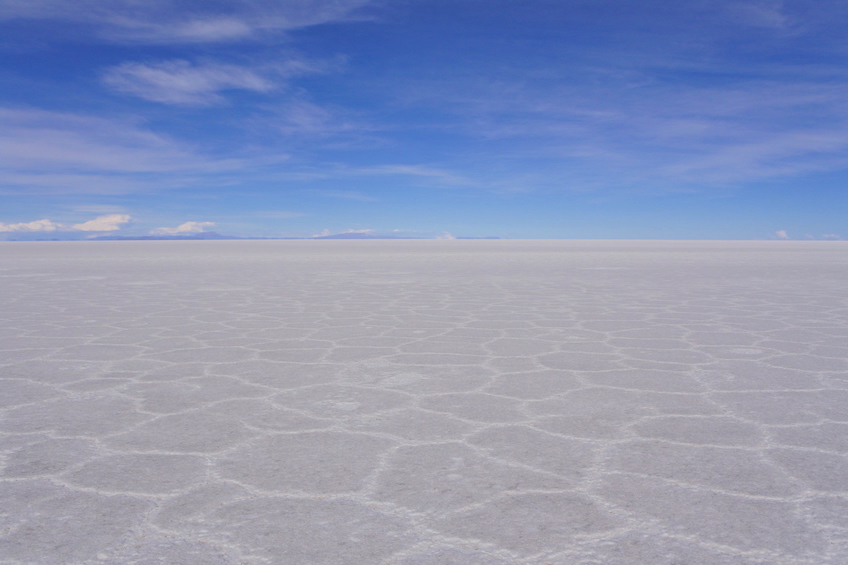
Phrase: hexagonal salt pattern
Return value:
(424, 403)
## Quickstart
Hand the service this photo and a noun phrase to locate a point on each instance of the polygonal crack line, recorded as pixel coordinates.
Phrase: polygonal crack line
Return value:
(154, 498)
(478, 424)
(100, 452)
(627, 521)
(795, 500)
(762, 443)
(772, 443)
(655, 528)
(485, 453)
(434, 541)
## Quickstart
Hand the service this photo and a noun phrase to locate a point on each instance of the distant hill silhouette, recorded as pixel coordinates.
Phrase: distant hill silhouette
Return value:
(356, 235)
(201, 235)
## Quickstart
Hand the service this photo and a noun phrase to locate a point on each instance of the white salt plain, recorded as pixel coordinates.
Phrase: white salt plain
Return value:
(424, 403)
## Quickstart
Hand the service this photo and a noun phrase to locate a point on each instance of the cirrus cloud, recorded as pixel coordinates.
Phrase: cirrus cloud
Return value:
(181, 82)
(59, 152)
(168, 21)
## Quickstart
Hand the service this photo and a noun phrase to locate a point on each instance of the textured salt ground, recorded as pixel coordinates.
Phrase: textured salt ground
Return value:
(424, 403)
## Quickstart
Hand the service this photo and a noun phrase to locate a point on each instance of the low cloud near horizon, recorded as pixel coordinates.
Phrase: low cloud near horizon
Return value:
(110, 222)
(325, 232)
(185, 228)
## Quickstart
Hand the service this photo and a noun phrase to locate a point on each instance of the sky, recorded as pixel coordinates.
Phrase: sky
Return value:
(586, 119)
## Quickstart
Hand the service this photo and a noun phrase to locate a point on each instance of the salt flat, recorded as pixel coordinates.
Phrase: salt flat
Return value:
(424, 403)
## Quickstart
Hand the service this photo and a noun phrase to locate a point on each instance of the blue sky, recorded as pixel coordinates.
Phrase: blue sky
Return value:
(696, 119)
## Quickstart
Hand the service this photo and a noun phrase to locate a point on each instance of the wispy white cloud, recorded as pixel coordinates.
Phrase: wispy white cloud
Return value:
(831, 236)
(344, 195)
(181, 82)
(298, 117)
(781, 234)
(439, 175)
(168, 21)
(41, 140)
(786, 154)
(711, 95)
(200, 30)
(655, 133)
(99, 208)
(43, 151)
(760, 13)
(279, 214)
(110, 222)
(301, 116)
(106, 183)
(183, 229)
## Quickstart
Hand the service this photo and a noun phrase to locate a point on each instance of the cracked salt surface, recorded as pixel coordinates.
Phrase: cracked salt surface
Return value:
(424, 403)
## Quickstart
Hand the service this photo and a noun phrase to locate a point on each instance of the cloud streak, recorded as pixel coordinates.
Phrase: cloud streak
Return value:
(172, 21)
(56, 152)
(656, 133)
(42, 140)
(181, 82)
(345, 195)
(439, 175)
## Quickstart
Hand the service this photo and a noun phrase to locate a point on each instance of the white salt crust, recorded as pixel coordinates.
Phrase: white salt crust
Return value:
(424, 403)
